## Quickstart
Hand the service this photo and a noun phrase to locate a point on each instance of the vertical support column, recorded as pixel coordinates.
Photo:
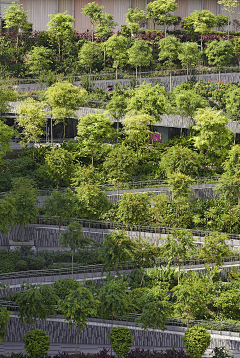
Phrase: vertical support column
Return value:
(56, 6)
(218, 8)
(202, 5)
(73, 7)
(130, 4)
(146, 21)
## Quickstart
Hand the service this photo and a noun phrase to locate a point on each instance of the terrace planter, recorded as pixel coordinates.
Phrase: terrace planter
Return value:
(15, 244)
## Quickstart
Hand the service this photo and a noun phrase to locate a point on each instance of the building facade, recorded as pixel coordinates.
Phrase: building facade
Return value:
(39, 10)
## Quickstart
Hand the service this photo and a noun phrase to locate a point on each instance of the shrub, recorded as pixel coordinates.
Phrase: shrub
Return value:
(63, 286)
(36, 343)
(196, 339)
(21, 265)
(121, 339)
(221, 352)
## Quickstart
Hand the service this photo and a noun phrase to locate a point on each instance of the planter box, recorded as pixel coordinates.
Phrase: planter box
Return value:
(15, 244)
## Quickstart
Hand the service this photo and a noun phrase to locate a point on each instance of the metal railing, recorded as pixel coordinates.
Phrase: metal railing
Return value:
(108, 225)
(141, 75)
(98, 268)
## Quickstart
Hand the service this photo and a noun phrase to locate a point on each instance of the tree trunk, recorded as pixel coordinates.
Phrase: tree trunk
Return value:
(179, 266)
(64, 130)
(235, 133)
(188, 318)
(228, 26)
(136, 73)
(33, 150)
(51, 131)
(76, 339)
(219, 77)
(181, 125)
(112, 328)
(92, 156)
(22, 231)
(92, 32)
(59, 48)
(59, 230)
(170, 80)
(116, 73)
(72, 265)
(187, 73)
(201, 42)
(165, 28)
(89, 222)
(35, 321)
(153, 336)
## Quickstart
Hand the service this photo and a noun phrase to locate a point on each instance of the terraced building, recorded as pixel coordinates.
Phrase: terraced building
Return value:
(40, 10)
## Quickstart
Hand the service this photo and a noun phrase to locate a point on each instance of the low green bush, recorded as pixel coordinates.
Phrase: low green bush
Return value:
(121, 340)
(37, 343)
(196, 339)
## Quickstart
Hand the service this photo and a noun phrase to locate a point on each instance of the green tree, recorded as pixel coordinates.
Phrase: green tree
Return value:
(85, 175)
(61, 205)
(134, 209)
(24, 195)
(180, 185)
(117, 249)
(35, 302)
(140, 54)
(150, 100)
(179, 246)
(222, 21)
(15, 16)
(64, 99)
(6, 134)
(219, 53)
(94, 12)
(114, 300)
(215, 249)
(64, 286)
(73, 238)
(169, 50)
(92, 202)
(193, 296)
(160, 12)
(59, 163)
(32, 119)
(189, 55)
(93, 131)
(135, 19)
(229, 6)
(39, 60)
(117, 107)
(156, 308)
(105, 26)
(7, 213)
(116, 47)
(4, 318)
(228, 303)
(60, 26)
(136, 127)
(145, 256)
(120, 164)
(7, 95)
(232, 99)
(89, 52)
(236, 48)
(196, 339)
(203, 21)
(213, 137)
(77, 307)
(121, 340)
(178, 159)
(188, 102)
(229, 183)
